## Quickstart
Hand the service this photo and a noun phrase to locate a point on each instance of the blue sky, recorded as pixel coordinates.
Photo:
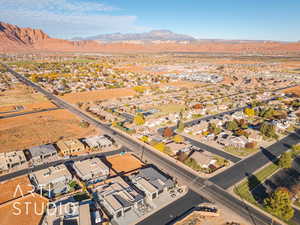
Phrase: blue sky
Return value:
(222, 19)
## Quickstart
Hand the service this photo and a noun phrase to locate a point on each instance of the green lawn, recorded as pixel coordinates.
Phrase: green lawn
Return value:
(169, 108)
(243, 188)
(240, 151)
(244, 192)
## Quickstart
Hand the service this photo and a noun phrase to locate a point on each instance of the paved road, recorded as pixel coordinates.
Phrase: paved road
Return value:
(46, 165)
(245, 93)
(127, 116)
(197, 184)
(209, 190)
(174, 210)
(26, 113)
(213, 150)
(249, 165)
(215, 116)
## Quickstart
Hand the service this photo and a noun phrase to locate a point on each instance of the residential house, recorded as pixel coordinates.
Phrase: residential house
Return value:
(204, 159)
(217, 122)
(178, 147)
(281, 125)
(198, 128)
(210, 137)
(68, 211)
(292, 117)
(222, 107)
(98, 142)
(223, 139)
(152, 182)
(254, 136)
(15, 158)
(155, 122)
(212, 108)
(3, 164)
(52, 180)
(91, 171)
(69, 147)
(238, 115)
(39, 153)
(238, 142)
(118, 198)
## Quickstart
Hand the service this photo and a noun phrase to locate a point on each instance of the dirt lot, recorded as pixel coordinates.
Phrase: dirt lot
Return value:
(14, 188)
(19, 96)
(40, 128)
(36, 205)
(116, 92)
(294, 90)
(4, 109)
(124, 163)
(98, 95)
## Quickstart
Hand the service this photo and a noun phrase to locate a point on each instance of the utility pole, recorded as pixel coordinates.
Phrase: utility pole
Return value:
(143, 147)
(246, 204)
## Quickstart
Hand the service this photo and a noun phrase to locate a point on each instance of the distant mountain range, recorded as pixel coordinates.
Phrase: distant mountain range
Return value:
(154, 35)
(15, 39)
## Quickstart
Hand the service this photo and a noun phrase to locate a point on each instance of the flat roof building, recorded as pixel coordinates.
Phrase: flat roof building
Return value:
(3, 164)
(42, 151)
(68, 147)
(68, 211)
(98, 142)
(52, 180)
(117, 197)
(12, 159)
(151, 182)
(91, 170)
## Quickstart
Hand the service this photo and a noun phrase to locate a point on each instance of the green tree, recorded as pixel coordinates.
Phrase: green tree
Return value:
(268, 130)
(268, 113)
(232, 125)
(180, 126)
(285, 160)
(279, 204)
(213, 128)
(243, 124)
(295, 150)
(139, 119)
